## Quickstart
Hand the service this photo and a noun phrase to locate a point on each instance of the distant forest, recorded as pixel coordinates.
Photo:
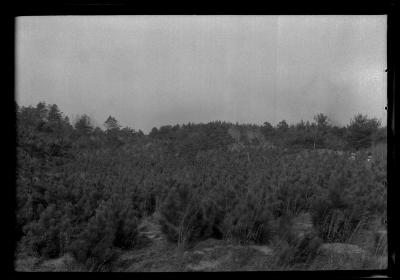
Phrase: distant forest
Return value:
(47, 120)
(82, 189)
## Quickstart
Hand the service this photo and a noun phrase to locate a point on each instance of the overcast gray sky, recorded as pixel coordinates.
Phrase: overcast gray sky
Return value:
(155, 70)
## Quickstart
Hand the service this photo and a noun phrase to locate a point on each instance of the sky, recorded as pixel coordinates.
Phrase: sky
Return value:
(149, 71)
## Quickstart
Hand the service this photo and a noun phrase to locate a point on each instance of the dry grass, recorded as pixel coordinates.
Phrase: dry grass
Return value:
(65, 263)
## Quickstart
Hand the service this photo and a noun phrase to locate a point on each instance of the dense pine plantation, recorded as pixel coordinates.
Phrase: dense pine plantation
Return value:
(83, 190)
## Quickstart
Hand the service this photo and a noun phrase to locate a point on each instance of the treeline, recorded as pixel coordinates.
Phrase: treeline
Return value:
(83, 190)
(361, 133)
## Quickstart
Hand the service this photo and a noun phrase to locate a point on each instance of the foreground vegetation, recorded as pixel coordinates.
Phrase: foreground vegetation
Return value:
(83, 191)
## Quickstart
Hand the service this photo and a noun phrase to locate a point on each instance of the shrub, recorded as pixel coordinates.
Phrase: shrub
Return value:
(187, 217)
(43, 236)
(113, 225)
(250, 220)
(94, 245)
(126, 229)
(348, 203)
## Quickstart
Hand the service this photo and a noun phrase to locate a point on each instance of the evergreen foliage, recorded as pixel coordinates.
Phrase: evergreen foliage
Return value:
(82, 190)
